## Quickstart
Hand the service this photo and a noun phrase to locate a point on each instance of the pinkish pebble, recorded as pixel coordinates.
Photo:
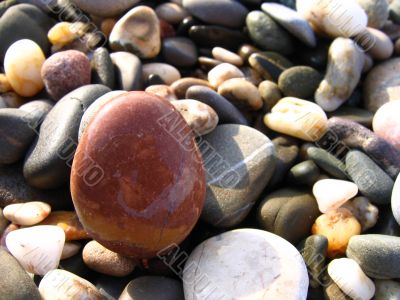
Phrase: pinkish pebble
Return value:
(386, 123)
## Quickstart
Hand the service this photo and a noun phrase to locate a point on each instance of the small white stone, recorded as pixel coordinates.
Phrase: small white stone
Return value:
(27, 214)
(396, 200)
(169, 74)
(227, 56)
(70, 249)
(38, 249)
(333, 193)
(223, 72)
(365, 212)
(350, 278)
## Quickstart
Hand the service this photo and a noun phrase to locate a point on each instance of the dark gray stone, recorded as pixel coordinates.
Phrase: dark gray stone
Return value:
(387, 290)
(37, 110)
(179, 51)
(47, 163)
(361, 116)
(270, 65)
(304, 173)
(300, 82)
(102, 68)
(327, 162)
(394, 11)
(128, 70)
(4, 5)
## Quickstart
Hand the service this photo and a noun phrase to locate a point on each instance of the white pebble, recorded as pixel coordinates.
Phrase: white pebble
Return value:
(70, 249)
(227, 56)
(27, 214)
(223, 72)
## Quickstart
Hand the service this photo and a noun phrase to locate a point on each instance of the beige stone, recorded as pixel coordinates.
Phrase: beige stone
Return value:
(223, 72)
(162, 90)
(227, 56)
(365, 212)
(62, 34)
(169, 74)
(381, 47)
(27, 214)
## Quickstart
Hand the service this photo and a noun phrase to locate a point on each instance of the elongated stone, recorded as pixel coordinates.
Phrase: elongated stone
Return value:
(27, 214)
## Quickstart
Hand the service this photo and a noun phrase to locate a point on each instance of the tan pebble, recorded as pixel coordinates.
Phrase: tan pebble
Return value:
(338, 226)
(61, 34)
(70, 249)
(171, 12)
(270, 94)
(162, 90)
(381, 47)
(22, 63)
(242, 93)
(365, 212)
(227, 56)
(169, 74)
(107, 26)
(246, 50)
(27, 214)
(299, 118)
(4, 84)
(252, 75)
(180, 86)
(199, 116)
(223, 72)
(207, 63)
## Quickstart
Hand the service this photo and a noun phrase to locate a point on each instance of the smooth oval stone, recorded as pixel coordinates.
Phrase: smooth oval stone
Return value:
(227, 13)
(349, 277)
(181, 86)
(128, 70)
(383, 47)
(267, 34)
(361, 116)
(377, 11)
(102, 68)
(386, 123)
(138, 31)
(304, 173)
(171, 12)
(365, 212)
(269, 65)
(47, 163)
(162, 90)
(327, 162)
(289, 213)
(291, 21)
(207, 63)
(239, 161)
(226, 111)
(37, 109)
(299, 118)
(223, 72)
(371, 180)
(382, 84)
(200, 117)
(270, 94)
(17, 284)
(300, 82)
(122, 128)
(70, 249)
(387, 290)
(64, 72)
(102, 260)
(27, 214)
(38, 249)
(377, 255)
(153, 287)
(22, 64)
(60, 284)
(395, 200)
(281, 266)
(179, 51)
(227, 56)
(169, 74)
(154, 79)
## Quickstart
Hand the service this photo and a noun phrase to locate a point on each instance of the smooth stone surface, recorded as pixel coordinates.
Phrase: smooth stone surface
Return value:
(226, 111)
(200, 117)
(70, 249)
(359, 115)
(223, 72)
(377, 11)
(365, 212)
(371, 180)
(153, 287)
(61, 284)
(289, 213)
(128, 71)
(227, 13)
(162, 90)
(37, 109)
(376, 254)
(387, 290)
(349, 277)
(270, 94)
(300, 82)
(102, 260)
(281, 266)
(383, 47)
(27, 214)
(179, 51)
(327, 162)
(22, 64)
(181, 86)
(227, 56)
(63, 33)
(395, 200)
(239, 161)
(152, 214)
(38, 249)
(47, 163)
(299, 118)
(291, 21)
(267, 34)
(332, 193)
(304, 173)
(64, 72)
(269, 65)
(15, 282)
(169, 74)
(102, 68)
(171, 12)
(386, 123)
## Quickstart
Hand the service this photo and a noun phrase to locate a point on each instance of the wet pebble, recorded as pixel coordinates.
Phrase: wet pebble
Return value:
(27, 214)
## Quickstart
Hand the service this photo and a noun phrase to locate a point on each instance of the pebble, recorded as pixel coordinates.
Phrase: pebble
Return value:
(70, 249)
(395, 200)
(386, 123)
(338, 226)
(377, 11)
(153, 287)
(62, 34)
(239, 161)
(129, 74)
(269, 65)
(3, 222)
(333, 292)
(104, 8)
(227, 56)
(365, 212)
(69, 222)
(267, 34)
(304, 173)
(289, 213)
(371, 180)
(181, 86)
(300, 82)
(350, 278)
(22, 63)
(292, 21)
(15, 282)
(346, 62)
(270, 94)
(37, 110)
(171, 12)
(207, 63)
(394, 11)
(222, 73)
(179, 51)
(138, 31)
(4, 84)
(163, 91)
(38, 249)
(226, 111)
(359, 115)
(228, 13)
(64, 72)
(168, 73)
(382, 84)
(387, 289)
(377, 255)
(61, 284)
(27, 214)
(200, 117)
(298, 118)
(144, 205)
(102, 68)
(102, 260)
(216, 259)
(340, 18)
(333, 193)
(242, 93)
(382, 47)
(327, 162)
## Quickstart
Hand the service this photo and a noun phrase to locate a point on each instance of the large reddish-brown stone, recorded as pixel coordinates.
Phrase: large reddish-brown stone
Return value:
(137, 180)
